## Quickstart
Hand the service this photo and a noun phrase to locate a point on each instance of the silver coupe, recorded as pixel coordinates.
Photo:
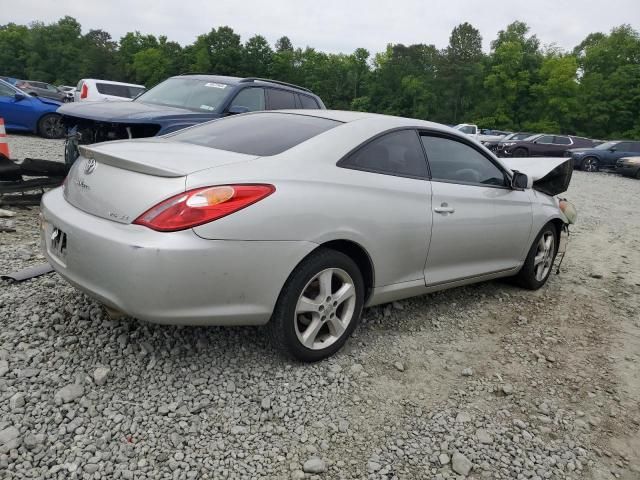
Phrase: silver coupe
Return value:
(298, 219)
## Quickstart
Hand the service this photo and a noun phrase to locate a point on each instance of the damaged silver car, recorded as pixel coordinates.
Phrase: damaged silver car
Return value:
(298, 220)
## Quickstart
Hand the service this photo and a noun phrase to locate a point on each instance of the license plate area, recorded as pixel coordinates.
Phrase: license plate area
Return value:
(58, 243)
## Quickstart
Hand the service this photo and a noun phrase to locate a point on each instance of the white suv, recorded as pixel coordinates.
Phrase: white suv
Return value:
(90, 89)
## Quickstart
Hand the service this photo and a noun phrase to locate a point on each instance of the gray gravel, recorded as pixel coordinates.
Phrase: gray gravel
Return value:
(486, 381)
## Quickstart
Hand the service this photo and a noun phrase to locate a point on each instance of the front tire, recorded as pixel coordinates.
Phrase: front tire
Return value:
(49, 126)
(520, 152)
(590, 164)
(539, 263)
(318, 307)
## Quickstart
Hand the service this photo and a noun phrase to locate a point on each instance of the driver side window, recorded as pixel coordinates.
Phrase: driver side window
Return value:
(251, 98)
(456, 162)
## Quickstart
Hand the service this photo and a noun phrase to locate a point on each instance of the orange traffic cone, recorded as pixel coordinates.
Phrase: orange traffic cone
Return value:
(4, 146)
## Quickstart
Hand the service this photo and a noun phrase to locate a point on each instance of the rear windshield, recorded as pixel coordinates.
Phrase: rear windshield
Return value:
(124, 91)
(261, 134)
(190, 93)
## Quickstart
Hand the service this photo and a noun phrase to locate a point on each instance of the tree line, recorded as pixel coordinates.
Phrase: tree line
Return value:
(593, 90)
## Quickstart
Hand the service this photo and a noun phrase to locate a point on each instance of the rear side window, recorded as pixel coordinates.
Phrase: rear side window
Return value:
(456, 162)
(261, 134)
(308, 102)
(397, 153)
(545, 139)
(562, 141)
(280, 99)
(123, 91)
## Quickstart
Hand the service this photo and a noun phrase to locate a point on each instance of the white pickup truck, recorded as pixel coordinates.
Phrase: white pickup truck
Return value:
(482, 135)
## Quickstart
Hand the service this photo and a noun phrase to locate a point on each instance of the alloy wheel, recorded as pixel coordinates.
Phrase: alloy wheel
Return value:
(543, 260)
(590, 165)
(325, 308)
(52, 127)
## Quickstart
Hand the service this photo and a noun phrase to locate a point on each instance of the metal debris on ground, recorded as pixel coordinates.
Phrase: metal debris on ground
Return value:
(27, 273)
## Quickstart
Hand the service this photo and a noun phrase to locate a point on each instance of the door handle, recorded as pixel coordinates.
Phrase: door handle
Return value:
(444, 208)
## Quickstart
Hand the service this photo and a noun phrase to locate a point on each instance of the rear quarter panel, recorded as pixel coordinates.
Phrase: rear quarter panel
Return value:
(316, 201)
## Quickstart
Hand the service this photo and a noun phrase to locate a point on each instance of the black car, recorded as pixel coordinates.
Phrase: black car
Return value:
(542, 145)
(512, 137)
(177, 103)
(604, 155)
(42, 89)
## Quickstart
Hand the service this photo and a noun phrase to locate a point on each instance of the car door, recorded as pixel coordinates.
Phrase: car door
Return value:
(391, 179)
(17, 114)
(560, 145)
(620, 150)
(542, 146)
(480, 225)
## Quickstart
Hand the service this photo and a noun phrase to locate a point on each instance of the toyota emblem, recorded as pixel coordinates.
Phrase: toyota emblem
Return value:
(90, 166)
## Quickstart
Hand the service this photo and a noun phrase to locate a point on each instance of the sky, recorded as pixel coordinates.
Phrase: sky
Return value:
(337, 25)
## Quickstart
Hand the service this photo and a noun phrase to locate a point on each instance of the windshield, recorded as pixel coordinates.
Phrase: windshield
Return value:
(517, 136)
(606, 145)
(190, 93)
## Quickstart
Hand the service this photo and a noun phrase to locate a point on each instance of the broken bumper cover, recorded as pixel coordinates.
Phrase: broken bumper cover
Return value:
(168, 277)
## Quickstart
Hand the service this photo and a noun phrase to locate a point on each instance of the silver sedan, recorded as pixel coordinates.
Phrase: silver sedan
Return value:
(297, 219)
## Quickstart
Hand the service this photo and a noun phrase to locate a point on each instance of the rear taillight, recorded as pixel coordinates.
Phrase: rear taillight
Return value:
(202, 205)
(84, 92)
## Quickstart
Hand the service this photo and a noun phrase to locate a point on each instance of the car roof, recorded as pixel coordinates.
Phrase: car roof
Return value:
(111, 82)
(345, 116)
(246, 80)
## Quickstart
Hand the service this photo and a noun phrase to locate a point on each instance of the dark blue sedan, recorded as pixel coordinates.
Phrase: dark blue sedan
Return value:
(25, 113)
(604, 155)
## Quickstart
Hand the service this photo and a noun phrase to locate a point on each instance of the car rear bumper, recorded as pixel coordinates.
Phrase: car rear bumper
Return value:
(171, 278)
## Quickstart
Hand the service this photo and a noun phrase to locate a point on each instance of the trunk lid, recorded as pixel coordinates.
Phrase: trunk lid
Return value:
(550, 175)
(121, 180)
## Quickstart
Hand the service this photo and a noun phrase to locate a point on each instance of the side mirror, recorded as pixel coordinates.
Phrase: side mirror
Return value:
(519, 180)
(236, 109)
(612, 149)
(19, 96)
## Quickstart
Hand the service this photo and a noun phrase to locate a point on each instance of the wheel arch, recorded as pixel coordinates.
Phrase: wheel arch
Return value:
(358, 254)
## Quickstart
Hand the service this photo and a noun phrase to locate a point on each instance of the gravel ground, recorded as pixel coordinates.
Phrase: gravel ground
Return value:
(486, 381)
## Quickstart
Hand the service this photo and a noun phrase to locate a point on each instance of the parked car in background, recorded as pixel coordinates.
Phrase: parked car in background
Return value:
(221, 224)
(25, 113)
(629, 166)
(480, 134)
(176, 103)
(93, 90)
(495, 146)
(10, 80)
(42, 89)
(69, 91)
(604, 155)
(542, 145)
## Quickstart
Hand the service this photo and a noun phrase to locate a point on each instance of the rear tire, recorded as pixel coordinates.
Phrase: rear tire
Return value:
(521, 152)
(590, 164)
(318, 307)
(49, 126)
(539, 263)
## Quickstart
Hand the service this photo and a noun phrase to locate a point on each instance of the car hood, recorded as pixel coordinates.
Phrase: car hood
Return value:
(123, 111)
(549, 175)
(49, 101)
